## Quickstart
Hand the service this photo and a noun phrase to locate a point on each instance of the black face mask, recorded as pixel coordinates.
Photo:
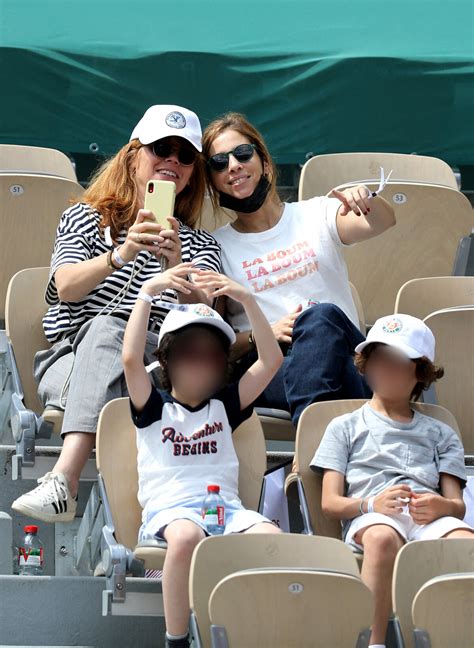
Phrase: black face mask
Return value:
(250, 204)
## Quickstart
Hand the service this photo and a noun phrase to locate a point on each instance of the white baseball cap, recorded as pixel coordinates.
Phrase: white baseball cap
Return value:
(168, 121)
(408, 334)
(186, 314)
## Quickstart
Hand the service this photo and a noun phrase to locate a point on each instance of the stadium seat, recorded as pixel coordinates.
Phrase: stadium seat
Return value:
(308, 484)
(415, 565)
(420, 297)
(454, 333)
(25, 308)
(217, 557)
(322, 173)
(280, 608)
(118, 484)
(30, 209)
(442, 612)
(431, 239)
(35, 160)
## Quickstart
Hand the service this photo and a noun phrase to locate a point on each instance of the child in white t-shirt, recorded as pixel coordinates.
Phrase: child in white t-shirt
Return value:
(184, 432)
(392, 474)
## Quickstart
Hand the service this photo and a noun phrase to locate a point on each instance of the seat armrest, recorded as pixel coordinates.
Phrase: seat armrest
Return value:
(295, 478)
(117, 559)
(421, 638)
(273, 413)
(290, 481)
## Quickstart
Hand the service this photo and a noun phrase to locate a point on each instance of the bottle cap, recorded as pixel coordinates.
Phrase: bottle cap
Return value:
(213, 488)
(30, 529)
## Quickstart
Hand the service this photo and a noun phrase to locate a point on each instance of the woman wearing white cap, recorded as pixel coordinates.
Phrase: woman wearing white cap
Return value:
(105, 250)
(290, 255)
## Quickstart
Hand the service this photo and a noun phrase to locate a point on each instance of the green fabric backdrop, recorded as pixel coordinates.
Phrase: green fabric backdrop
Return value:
(321, 75)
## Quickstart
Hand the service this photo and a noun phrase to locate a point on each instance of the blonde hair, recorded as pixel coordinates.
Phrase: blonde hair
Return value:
(238, 122)
(113, 191)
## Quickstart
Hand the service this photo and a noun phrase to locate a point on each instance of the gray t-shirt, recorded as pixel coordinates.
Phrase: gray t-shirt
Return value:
(374, 452)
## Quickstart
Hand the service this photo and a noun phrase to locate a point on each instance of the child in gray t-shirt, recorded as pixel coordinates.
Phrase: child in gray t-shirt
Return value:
(392, 474)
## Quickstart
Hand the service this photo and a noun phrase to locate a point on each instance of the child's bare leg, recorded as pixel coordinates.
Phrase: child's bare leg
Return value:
(460, 533)
(381, 544)
(263, 527)
(182, 536)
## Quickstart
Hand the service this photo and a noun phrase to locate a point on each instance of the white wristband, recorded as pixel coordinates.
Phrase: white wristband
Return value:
(145, 297)
(370, 505)
(117, 258)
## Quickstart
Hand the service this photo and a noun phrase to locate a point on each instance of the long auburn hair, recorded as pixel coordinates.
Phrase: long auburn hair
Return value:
(113, 191)
(237, 122)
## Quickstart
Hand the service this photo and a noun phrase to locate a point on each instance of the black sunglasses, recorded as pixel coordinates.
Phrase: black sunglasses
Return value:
(186, 154)
(242, 153)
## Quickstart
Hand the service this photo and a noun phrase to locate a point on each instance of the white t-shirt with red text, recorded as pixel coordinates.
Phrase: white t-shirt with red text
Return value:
(183, 449)
(298, 261)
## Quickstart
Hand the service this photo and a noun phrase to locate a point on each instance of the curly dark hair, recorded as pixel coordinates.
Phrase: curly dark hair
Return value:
(171, 340)
(426, 372)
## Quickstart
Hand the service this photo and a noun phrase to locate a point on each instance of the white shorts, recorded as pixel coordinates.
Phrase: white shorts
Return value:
(406, 527)
(237, 519)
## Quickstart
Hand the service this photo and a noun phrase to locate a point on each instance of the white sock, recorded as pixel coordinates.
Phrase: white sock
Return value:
(183, 636)
(376, 645)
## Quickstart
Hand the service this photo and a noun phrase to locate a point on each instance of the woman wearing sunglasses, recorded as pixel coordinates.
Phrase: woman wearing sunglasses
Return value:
(290, 256)
(105, 249)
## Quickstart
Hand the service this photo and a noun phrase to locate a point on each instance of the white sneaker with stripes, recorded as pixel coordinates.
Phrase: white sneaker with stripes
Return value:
(51, 501)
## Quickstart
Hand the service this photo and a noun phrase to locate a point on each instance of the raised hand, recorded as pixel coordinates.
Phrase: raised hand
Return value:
(355, 199)
(215, 284)
(175, 278)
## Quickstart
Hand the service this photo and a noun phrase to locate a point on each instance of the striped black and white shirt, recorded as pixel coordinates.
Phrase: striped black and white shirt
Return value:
(79, 237)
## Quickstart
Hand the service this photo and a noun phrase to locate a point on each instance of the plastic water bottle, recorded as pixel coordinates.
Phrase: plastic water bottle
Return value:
(213, 511)
(30, 557)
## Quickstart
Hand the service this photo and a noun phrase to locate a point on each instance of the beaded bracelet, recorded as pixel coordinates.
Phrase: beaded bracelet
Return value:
(110, 261)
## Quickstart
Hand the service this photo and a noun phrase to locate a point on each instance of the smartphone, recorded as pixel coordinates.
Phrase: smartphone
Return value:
(159, 199)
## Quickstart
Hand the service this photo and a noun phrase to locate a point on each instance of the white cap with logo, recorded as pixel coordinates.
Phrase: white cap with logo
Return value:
(408, 334)
(168, 121)
(186, 314)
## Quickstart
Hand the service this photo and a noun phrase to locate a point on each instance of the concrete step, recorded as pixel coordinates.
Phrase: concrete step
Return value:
(44, 611)
(57, 539)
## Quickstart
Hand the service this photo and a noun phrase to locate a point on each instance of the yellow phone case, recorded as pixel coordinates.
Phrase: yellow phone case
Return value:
(159, 199)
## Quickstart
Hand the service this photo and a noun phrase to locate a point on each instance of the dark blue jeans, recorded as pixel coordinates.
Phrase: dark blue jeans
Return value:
(319, 364)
